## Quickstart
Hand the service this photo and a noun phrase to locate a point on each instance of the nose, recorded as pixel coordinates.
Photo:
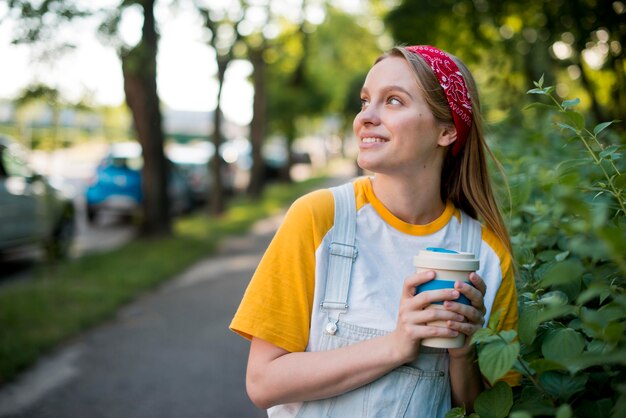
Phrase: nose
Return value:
(368, 115)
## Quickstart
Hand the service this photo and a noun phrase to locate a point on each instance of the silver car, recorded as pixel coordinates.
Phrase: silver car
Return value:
(32, 211)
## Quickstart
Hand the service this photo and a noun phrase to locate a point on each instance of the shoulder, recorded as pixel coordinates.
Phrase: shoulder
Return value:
(311, 214)
(316, 202)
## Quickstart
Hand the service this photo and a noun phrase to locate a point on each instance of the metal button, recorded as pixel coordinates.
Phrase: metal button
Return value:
(331, 328)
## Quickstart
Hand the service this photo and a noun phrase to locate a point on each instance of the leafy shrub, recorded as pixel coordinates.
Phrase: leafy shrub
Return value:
(568, 229)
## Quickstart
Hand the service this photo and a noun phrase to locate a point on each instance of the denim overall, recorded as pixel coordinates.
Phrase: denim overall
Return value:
(417, 389)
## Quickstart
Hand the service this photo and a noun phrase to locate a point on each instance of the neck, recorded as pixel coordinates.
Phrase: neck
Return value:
(415, 200)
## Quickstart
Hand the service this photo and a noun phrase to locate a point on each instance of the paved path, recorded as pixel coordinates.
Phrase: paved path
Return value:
(170, 354)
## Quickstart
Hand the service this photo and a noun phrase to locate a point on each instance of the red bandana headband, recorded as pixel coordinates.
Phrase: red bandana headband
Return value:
(454, 86)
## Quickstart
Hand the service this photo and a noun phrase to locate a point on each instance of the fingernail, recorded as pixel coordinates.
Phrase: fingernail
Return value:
(455, 294)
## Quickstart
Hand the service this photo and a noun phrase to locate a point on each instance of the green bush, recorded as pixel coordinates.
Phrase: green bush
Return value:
(568, 229)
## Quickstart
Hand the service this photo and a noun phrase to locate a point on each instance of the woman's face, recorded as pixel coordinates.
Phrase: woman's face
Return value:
(396, 129)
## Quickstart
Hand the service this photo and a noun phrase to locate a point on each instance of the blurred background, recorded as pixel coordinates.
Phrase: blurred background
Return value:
(123, 121)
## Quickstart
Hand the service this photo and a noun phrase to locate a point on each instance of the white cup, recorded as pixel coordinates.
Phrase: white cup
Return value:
(450, 267)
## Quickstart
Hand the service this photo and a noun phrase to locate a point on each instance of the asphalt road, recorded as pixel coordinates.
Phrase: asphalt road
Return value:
(170, 354)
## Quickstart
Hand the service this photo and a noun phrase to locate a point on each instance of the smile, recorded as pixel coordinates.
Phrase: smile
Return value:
(371, 140)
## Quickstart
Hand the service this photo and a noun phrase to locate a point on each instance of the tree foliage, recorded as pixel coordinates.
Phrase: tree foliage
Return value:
(514, 42)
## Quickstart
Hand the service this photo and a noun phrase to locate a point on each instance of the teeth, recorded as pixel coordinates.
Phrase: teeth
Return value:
(370, 140)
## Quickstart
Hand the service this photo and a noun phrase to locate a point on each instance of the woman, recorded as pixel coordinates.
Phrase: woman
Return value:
(419, 132)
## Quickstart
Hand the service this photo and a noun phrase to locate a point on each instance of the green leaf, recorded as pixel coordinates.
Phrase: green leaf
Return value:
(575, 119)
(562, 345)
(566, 126)
(552, 312)
(620, 181)
(564, 411)
(541, 366)
(589, 360)
(570, 270)
(619, 410)
(520, 414)
(495, 402)
(548, 255)
(534, 401)
(602, 126)
(528, 322)
(594, 290)
(458, 412)
(538, 105)
(496, 358)
(562, 385)
(484, 335)
(536, 91)
(611, 152)
(554, 298)
(540, 82)
(509, 335)
(494, 319)
(570, 103)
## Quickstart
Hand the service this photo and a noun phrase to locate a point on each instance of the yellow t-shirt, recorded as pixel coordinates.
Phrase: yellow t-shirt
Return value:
(281, 303)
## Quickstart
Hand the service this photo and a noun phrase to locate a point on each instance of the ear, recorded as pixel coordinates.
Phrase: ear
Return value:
(447, 135)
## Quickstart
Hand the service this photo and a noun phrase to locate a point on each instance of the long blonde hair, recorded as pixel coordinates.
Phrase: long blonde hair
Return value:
(465, 177)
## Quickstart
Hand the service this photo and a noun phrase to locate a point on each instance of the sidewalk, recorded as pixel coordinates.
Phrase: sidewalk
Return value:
(169, 354)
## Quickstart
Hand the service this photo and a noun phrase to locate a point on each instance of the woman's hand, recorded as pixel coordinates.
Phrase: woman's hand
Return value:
(413, 316)
(474, 315)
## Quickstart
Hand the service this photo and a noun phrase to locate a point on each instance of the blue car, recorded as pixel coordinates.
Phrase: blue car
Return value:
(116, 186)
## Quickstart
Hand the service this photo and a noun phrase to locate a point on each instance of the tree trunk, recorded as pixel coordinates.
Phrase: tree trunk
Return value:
(285, 171)
(139, 70)
(217, 189)
(257, 126)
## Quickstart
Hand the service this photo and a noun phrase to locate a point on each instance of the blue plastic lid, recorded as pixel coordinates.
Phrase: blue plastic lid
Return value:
(441, 250)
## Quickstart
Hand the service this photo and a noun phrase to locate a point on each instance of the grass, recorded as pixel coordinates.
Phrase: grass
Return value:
(66, 298)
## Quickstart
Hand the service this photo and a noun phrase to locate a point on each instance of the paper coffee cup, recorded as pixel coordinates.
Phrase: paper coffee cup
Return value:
(450, 267)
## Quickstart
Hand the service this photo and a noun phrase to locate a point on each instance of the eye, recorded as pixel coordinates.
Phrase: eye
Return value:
(394, 101)
(364, 103)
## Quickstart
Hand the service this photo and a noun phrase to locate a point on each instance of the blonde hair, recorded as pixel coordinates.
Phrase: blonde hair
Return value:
(465, 177)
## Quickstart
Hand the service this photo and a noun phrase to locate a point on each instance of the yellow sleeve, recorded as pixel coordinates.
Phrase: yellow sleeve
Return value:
(506, 298)
(277, 304)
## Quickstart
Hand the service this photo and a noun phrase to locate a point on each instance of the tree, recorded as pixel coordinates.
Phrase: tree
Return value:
(40, 21)
(224, 38)
(313, 70)
(515, 42)
(139, 70)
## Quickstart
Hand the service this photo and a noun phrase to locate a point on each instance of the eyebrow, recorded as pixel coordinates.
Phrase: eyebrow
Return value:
(387, 89)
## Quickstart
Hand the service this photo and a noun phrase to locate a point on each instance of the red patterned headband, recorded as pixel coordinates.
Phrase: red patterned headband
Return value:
(454, 86)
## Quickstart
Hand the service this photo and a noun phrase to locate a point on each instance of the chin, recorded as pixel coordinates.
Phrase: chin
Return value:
(368, 165)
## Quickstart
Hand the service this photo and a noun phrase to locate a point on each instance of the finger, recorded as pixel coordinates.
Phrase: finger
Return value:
(431, 296)
(478, 283)
(415, 280)
(424, 316)
(474, 295)
(466, 328)
(471, 314)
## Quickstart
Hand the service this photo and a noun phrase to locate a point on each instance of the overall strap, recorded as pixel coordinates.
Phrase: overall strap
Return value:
(342, 253)
(471, 235)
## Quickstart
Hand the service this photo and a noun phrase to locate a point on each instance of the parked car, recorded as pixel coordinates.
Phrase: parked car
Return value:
(32, 211)
(116, 185)
(194, 161)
